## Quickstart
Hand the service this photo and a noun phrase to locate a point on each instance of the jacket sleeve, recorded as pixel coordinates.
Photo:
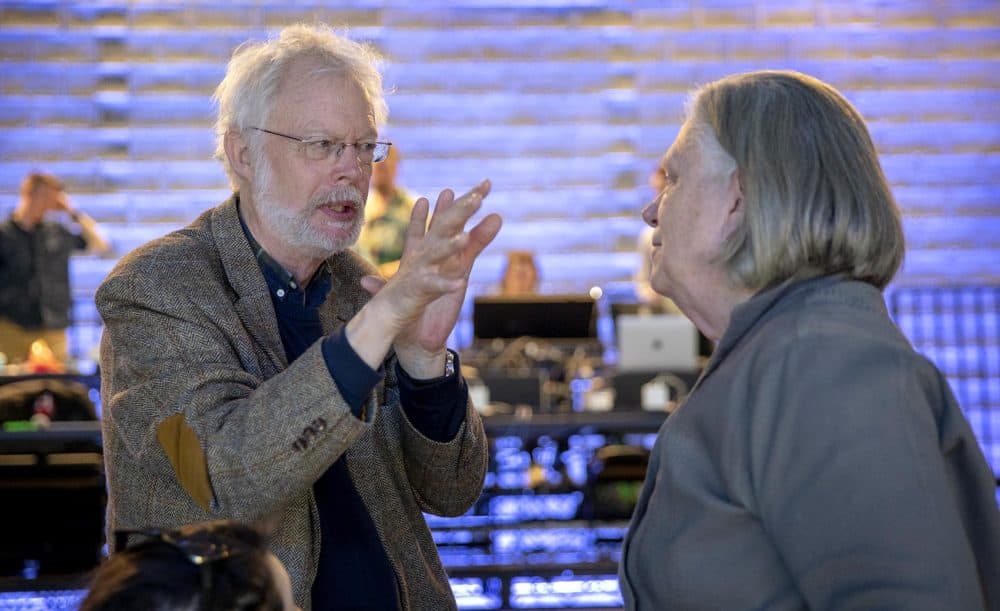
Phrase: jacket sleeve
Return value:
(189, 395)
(446, 477)
(852, 485)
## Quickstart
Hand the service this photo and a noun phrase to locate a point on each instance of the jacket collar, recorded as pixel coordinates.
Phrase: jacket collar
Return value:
(746, 316)
(253, 302)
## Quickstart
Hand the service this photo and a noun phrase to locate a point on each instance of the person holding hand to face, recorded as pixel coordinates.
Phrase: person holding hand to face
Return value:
(35, 296)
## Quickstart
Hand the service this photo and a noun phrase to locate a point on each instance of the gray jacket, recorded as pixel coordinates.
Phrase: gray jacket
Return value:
(203, 417)
(819, 463)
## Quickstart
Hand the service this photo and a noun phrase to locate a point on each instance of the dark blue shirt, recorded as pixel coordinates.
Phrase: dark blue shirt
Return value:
(354, 571)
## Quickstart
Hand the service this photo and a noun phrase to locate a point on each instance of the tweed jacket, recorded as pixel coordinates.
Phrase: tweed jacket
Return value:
(819, 463)
(204, 418)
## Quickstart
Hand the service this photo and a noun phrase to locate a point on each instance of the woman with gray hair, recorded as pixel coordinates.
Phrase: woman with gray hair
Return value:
(819, 462)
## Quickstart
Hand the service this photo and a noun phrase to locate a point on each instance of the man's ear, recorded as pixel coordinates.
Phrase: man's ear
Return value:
(238, 152)
(735, 209)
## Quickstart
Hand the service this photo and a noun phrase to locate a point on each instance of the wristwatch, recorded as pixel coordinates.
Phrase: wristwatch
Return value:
(449, 363)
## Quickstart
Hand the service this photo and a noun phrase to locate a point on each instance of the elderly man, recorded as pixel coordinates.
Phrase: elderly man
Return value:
(254, 368)
(819, 463)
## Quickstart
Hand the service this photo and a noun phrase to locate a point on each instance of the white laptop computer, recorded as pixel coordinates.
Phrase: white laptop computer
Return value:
(656, 342)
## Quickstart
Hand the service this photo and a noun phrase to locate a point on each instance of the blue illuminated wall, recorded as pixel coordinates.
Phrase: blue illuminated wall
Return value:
(566, 105)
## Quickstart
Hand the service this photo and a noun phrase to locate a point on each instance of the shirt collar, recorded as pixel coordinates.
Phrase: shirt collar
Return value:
(281, 283)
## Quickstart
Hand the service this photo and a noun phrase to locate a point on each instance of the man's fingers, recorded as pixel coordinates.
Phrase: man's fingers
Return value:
(483, 233)
(441, 252)
(481, 190)
(476, 194)
(418, 222)
(464, 207)
(444, 201)
(445, 249)
(372, 284)
(466, 247)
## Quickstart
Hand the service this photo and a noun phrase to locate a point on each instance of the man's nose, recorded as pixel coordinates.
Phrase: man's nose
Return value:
(347, 166)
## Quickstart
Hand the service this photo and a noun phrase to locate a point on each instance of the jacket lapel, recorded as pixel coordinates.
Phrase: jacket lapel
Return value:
(253, 302)
(345, 297)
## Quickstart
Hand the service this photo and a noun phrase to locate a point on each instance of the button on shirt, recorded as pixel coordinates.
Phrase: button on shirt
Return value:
(354, 571)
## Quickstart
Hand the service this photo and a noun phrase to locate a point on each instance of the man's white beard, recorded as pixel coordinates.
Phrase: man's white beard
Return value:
(293, 227)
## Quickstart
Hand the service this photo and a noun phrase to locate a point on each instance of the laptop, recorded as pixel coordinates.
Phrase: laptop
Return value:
(656, 342)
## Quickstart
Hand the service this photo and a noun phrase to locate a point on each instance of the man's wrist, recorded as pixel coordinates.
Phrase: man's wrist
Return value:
(382, 309)
(421, 365)
(371, 331)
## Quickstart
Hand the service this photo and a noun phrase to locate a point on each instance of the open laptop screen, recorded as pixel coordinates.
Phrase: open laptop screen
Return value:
(656, 342)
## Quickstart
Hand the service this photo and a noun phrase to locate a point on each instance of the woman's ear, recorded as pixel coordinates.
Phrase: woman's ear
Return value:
(735, 210)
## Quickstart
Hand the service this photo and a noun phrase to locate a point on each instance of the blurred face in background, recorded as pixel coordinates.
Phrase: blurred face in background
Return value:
(384, 172)
(521, 275)
(40, 195)
(657, 181)
(49, 198)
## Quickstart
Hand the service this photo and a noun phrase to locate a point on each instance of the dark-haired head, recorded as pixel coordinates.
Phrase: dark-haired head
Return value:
(216, 566)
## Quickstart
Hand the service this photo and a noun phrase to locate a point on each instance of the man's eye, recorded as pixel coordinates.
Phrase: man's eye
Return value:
(367, 147)
(325, 146)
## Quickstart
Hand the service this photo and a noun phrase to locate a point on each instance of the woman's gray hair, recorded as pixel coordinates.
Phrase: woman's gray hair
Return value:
(246, 95)
(816, 200)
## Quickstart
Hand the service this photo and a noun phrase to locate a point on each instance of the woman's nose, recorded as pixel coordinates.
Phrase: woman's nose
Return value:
(649, 212)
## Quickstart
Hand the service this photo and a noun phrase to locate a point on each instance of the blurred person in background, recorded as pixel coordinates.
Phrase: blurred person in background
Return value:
(255, 366)
(35, 247)
(520, 274)
(819, 462)
(387, 215)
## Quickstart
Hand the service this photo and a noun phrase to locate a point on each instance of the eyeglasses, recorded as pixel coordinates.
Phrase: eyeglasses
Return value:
(200, 550)
(321, 149)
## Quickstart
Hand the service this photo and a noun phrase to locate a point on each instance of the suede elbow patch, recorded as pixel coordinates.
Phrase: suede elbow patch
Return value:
(181, 445)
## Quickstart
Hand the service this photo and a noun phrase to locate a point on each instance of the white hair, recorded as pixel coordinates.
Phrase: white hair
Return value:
(246, 95)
